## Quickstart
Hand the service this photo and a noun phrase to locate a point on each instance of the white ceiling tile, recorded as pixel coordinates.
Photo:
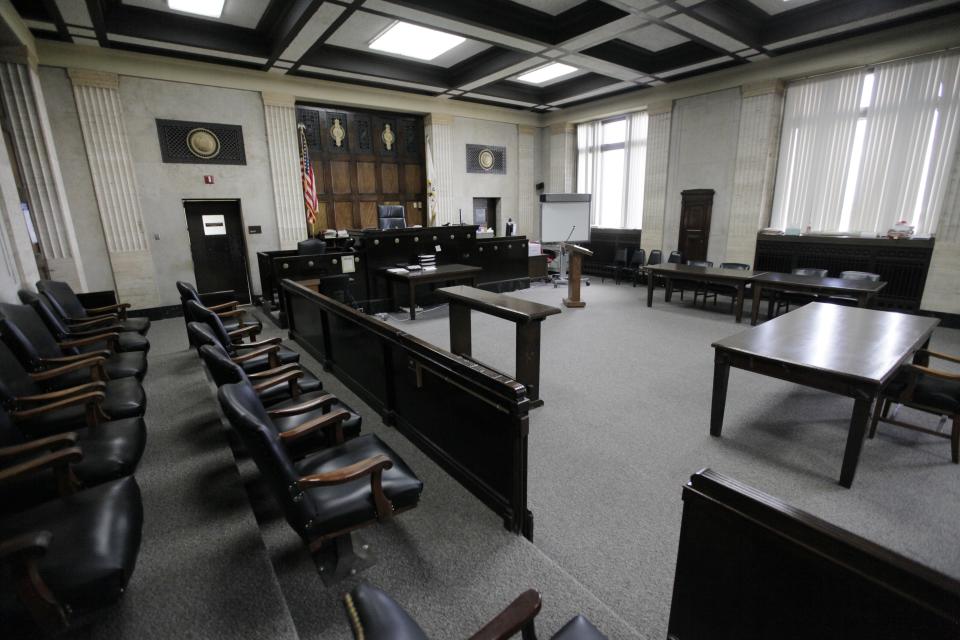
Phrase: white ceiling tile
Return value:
(705, 32)
(597, 92)
(661, 11)
(319, 22)
(505, 73)
(653, 37)
(246, 13)
(75, 12)
(553, 7)
(600, 66)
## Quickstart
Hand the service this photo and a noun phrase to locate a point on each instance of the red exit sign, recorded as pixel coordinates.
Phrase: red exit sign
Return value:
(207, 179)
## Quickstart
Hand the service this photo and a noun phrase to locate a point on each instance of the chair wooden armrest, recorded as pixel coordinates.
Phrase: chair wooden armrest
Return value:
(290, 377)
(103, 353)
(50, 443)
(334, 420)
(95, 365)
(297, 409)
(276, 371)
(94, 324)
(91, 399)
(61, 393)
(231, 313)
(223, 306)
(262, 343)
(246, 330)
(517, 615)
(22, 553)
(112, 317)
(57, 460)
(372, 467)
(120, 309)
(270, 350)
(941, 356)
(937, 373)
(112, 339)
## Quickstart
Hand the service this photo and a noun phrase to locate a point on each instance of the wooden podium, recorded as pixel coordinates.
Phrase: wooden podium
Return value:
(574, 271)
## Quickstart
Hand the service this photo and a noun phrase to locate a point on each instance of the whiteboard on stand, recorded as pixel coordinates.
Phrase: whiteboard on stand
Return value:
(561, 213)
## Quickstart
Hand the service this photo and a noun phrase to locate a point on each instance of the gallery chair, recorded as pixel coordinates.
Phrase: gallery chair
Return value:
(374, 615)
(34, 397)
(70, 557)
(786, 298)
(716, 289)
(228, 310)
(38, 349)
(613, 268)
(125, 341)
(328, 494)
(675, 257)
(69, 306)
(260, 358)
(111, 450)
(391, 216)
(688, 285)
(634, 268)
(926, 389)
(230, 340)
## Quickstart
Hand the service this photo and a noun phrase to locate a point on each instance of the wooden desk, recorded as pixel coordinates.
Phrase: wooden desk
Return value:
(845, 350)
(736, 278)
(863, 290)
(526, 315)
(443, 273)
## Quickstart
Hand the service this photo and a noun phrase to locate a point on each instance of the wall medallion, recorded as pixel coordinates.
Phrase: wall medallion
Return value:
(486, 159)
(337, 132)
(203, 143)
(388, 137)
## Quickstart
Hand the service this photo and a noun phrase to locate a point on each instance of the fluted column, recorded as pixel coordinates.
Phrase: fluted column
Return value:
(942, 290)
(439, 140)
(32, 141)
(528, 212)
(279, 111)
(563, 158)
(655, 181)
(758, 145)
(115, 184)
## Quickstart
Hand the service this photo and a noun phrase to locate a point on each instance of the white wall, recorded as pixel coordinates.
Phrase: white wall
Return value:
(467, 186)
(164, 186)
(703, 151)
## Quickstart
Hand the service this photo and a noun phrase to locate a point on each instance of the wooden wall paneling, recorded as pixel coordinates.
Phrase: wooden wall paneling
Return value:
(323, 220)
(389, 178)
(366, 178)
(343, 213)
(340, 177)
(412, 214)
(412, 178)
(368, 215)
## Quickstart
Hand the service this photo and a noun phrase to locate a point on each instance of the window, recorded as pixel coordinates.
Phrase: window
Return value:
(863, 150)
(611, 160)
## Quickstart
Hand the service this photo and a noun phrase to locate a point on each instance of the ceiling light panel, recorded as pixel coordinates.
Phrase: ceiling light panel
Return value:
(205, 8)
(547, 73)
(413, 41)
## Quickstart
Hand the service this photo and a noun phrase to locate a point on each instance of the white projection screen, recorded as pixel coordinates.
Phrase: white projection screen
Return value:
(562, 212)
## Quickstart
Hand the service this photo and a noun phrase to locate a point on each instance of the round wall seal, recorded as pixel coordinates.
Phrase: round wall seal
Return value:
(203, 143)
(486, 159)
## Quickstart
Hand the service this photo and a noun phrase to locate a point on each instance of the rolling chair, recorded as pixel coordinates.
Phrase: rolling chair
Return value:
(391, 216)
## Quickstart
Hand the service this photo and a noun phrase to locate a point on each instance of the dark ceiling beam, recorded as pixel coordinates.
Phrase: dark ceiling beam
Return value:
(360, 82)
(323, 37)
(583, 18)
(95, 8)
(173, 28)
(634, 57)
(739, 19)
(54, 11)
(512, 91)
(287, 26)
(826, 15)
(372, 64)
(575, 87)
(485, 63)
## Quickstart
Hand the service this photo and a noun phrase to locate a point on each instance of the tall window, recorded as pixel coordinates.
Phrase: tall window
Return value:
(863, 150)
(611, 160)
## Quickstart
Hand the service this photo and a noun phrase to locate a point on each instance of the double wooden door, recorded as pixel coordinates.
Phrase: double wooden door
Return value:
(695, 210)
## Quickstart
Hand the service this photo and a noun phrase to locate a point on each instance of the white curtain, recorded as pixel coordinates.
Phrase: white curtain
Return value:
(819, 122)
(909, 144)
(589, 141)
(636, 167)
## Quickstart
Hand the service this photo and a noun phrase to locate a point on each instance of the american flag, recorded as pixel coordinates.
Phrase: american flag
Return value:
(306, 176)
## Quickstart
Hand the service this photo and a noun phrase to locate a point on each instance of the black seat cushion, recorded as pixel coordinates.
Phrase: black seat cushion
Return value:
(129, 341)
(930, 391)
(344, 506)
(280, 392)
(140, 325)
(124, 397)
(579, 628)
(379, 617)
(262, 362)
(94, 544)
(119, 365)
(351, 426)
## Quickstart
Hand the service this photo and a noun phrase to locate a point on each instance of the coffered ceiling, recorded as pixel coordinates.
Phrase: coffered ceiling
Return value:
(614, 46)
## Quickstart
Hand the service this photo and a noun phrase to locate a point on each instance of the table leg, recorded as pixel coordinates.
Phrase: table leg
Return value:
(740, 287)
(528, 358)
(921, 357)
(863, 300)
(668, 289)
(461, 338)
(755, 309)
(769, 307)
(721, 374)
(858, 430)
(413, 301)
(650, 288)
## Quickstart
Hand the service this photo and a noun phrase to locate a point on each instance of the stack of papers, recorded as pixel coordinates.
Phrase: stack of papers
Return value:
(398, 270)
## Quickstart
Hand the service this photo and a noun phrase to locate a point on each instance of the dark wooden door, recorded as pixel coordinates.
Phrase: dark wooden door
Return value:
(217, 246)
(695, 210)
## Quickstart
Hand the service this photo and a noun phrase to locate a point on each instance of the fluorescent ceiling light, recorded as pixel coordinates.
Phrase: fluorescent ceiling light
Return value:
(206, 8)
(547, 73)
(405, 39)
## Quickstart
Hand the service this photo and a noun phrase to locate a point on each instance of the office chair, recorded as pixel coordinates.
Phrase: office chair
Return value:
(675, 257)
(785, 298)
(391, 216)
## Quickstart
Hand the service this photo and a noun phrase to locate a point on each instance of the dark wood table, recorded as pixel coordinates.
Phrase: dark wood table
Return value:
(736, 278)
(526, 315)
(844, 350)
(863, 290)
(443, 273)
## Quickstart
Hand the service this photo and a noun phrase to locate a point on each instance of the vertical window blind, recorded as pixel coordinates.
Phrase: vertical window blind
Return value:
(611, 163)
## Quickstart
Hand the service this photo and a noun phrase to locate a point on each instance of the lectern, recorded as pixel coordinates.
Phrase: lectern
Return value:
(574, 270)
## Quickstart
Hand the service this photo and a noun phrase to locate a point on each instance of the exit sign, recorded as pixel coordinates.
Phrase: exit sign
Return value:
(207, 179)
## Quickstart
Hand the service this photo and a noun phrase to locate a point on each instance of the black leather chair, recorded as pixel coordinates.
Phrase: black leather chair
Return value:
(255, 361)
(718, 289)
(70, 557)
(675, 257)
(374, 615)
(34, 397)
(391, 216)
(68, 305)
(228, 309)
(38, 350)
(274, 354)
(785, 298)
(656, 257)
(613, 268)
(125, 341)
(291, 396)
(698, 288)
(312, 247)
(111, 450)
(925, 389)
(634, 268)
(328, 494)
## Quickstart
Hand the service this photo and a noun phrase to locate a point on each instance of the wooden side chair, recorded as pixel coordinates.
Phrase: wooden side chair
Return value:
(921, 387)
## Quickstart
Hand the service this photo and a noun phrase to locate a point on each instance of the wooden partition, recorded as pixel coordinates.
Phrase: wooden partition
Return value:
(750, 566)
(277, 265)
(470, 420)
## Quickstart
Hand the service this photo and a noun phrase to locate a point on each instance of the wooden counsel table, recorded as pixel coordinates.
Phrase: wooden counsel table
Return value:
(736, 278)
(525, 314)
(443, 273)
(863, 290)
(844, 350)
